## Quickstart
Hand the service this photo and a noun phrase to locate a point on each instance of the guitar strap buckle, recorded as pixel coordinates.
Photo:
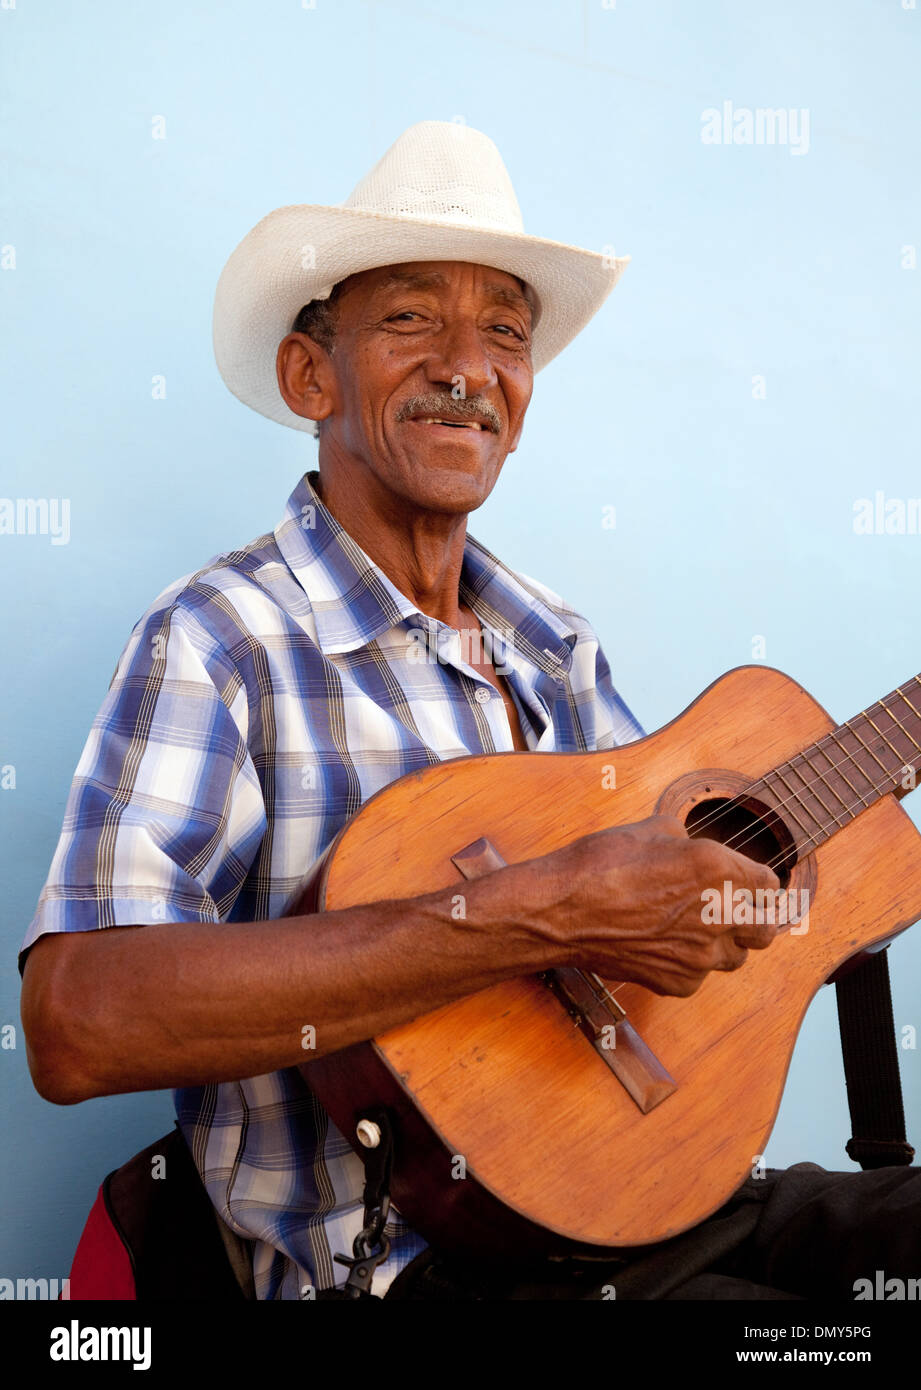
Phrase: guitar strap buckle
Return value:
(371, 1246)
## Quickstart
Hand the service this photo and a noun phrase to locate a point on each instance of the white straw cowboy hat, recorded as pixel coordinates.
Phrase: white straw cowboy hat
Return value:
(440, 193)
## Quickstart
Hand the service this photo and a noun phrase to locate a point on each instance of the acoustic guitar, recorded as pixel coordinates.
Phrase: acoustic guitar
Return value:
(562, 1112)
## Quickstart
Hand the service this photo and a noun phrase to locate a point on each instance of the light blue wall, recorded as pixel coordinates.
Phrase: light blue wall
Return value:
(734, 513)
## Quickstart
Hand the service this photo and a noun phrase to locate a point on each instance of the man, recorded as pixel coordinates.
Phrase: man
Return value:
(260, 701)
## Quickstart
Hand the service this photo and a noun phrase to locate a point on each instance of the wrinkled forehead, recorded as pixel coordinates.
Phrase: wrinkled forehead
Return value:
(498, 285)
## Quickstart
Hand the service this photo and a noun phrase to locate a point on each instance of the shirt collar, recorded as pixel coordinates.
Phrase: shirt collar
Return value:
(353, 601)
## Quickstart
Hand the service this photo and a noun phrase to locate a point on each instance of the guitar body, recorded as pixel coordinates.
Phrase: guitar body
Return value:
(556, 1154)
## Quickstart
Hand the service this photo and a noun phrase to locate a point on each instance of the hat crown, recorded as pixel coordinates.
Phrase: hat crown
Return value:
(441, 171)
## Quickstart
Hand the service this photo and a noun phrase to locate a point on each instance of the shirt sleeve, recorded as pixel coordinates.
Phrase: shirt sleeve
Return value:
(165, 813)
(615, 722)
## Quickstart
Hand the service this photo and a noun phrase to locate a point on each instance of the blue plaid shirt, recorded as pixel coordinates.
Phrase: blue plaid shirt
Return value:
(257, 704)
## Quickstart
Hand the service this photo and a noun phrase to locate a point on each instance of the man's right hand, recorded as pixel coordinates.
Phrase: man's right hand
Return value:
(628, 903)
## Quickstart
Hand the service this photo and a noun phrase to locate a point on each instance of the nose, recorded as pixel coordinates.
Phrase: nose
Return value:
(460, 352)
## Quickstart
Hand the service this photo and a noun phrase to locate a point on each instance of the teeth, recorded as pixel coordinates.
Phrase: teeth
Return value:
(467, 424)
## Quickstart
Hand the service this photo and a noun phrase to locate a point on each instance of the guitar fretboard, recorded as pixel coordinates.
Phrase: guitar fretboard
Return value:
(828, 784)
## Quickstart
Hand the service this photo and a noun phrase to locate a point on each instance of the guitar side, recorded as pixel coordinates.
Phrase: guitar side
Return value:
(556, 1153)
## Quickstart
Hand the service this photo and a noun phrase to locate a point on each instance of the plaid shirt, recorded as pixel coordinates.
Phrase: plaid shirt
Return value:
(257, 704)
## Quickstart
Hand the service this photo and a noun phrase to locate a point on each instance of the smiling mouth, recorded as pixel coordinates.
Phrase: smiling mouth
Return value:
(450, 424)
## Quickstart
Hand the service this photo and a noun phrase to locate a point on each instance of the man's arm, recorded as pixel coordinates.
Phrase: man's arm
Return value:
(176, 1004)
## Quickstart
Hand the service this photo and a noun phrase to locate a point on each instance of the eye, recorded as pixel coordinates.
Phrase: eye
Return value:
(507, 328)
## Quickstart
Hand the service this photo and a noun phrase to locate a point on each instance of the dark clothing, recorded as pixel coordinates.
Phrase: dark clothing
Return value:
(797, 1233)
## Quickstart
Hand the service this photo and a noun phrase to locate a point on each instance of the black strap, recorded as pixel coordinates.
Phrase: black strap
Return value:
(871, 1064)
(372, 1244)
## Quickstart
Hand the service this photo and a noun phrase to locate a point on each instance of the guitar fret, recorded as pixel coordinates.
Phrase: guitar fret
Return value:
(837, 768)
(825, 782)
(812, 786)
(887, 741)
(901, 693)
(863, 743)
(830, 779)
(849, 758)
(796, 797)
(893, 716)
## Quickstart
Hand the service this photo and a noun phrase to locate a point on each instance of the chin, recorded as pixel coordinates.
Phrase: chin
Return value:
(442, 486)
(447, 490)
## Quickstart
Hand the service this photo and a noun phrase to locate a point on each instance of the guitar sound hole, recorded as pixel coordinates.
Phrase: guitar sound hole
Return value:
(751, 829)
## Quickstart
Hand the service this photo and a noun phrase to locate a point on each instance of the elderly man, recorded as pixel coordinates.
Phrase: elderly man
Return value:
(260, 701)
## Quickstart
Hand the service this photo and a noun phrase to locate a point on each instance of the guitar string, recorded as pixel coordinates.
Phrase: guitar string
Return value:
(738, 800)
(608, 993)
(807, 786)
(777, 861)
(854, 807)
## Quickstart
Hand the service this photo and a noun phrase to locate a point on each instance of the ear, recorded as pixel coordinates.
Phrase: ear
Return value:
(305, 377)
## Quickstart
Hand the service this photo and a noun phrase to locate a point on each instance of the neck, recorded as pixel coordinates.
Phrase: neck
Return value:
(421, 552)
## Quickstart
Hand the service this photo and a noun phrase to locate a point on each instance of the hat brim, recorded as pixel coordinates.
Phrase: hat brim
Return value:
(298, 253)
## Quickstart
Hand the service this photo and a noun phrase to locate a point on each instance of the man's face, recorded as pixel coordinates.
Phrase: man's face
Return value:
(443, 340)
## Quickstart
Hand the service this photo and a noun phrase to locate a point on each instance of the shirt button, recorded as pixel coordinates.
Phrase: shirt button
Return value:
(482, 695)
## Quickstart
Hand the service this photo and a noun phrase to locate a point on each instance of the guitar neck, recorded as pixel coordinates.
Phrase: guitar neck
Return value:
(827, 785)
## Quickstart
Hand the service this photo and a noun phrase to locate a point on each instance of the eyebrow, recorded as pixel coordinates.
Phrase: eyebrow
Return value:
(433, 279)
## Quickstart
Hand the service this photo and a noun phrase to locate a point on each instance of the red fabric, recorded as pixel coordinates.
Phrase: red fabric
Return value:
(101, 1267)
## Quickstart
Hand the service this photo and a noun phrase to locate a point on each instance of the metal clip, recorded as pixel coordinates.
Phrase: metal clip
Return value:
(371, 1246)
(365, 1259)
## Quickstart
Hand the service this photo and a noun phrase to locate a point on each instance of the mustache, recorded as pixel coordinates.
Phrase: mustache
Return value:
(448, 407)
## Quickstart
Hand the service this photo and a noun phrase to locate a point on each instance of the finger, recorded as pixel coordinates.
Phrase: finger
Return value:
(757, 936)
(734, 955)
(669, 825)
(752, 874)
(678, 986)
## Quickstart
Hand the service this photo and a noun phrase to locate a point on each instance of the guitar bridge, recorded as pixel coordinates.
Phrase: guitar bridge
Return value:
(604, 1022)
(598, 1015)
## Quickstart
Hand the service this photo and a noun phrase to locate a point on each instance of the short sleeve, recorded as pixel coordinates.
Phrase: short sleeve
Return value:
(615, 723)
(165, 813)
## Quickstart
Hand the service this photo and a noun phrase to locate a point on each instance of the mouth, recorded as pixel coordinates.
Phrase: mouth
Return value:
(440, 424)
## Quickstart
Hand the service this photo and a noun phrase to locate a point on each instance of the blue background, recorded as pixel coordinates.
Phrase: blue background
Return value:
(734, 514)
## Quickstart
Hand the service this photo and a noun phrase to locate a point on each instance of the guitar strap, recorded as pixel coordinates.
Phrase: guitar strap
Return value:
(372, 1244)
(871, 1064)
